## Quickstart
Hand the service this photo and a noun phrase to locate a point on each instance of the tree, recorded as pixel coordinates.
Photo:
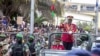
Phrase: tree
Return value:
(44, 7)
(9, 7)
(39, 19)
(86, 26)
(22, 8)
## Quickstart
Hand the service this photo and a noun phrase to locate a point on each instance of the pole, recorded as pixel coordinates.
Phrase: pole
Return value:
(32, 17)
(96, 23)
(57, 20)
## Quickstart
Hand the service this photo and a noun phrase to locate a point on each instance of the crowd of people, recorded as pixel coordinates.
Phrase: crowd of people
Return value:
(25, 44)
(18, 47)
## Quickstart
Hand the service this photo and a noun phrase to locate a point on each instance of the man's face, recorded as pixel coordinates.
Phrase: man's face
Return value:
(57, 42)
(69, 21)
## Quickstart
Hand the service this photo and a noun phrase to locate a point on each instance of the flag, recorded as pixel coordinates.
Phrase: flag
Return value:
(53, 14)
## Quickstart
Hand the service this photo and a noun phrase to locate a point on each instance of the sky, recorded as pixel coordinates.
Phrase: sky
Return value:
(85, 1)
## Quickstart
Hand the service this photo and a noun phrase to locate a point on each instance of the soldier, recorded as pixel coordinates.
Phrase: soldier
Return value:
(19, 48)
(31, 45)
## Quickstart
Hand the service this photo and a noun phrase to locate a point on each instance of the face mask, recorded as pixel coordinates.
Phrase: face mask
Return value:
(30, 40)
(19, 41)
(69, 21)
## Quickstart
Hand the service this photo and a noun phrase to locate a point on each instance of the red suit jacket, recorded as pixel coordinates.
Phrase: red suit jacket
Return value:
(68, 37)
(57, 47)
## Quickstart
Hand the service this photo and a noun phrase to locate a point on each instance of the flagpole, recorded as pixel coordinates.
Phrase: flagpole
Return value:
(32, 17)
(96, 23)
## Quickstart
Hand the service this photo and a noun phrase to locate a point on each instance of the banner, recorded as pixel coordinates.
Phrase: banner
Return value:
(19, 20)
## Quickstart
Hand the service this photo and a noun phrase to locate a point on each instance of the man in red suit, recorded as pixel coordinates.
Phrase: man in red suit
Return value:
(67, 38)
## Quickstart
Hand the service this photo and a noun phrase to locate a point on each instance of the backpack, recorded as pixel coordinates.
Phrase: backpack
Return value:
(18, 50)
(31, 47)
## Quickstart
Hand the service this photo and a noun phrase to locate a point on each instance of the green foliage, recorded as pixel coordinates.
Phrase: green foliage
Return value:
(86, 26)
(46, 7)
(39, 20)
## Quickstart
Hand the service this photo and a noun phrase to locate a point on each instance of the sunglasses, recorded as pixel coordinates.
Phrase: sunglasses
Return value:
(57, 41)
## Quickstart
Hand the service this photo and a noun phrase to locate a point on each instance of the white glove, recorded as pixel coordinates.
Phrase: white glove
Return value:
(70, 32)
